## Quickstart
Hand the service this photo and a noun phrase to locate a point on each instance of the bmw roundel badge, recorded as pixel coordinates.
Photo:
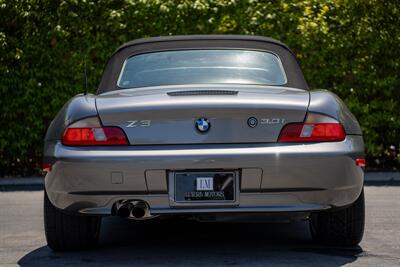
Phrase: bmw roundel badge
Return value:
(252, 122)
(202, 125)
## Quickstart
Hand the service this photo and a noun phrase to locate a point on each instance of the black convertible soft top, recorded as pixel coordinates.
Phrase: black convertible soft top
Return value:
(113, 67)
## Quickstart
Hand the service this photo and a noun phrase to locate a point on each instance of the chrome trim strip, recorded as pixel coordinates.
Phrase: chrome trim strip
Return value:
(160, 211)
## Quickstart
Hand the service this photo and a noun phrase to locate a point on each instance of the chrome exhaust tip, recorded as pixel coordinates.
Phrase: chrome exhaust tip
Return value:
(133, 209)
(125, 210)
(140, 210)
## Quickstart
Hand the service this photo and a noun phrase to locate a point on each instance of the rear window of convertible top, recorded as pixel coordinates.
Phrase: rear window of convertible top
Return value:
(202, 67)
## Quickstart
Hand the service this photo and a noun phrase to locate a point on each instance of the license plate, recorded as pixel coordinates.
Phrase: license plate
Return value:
(204, 186)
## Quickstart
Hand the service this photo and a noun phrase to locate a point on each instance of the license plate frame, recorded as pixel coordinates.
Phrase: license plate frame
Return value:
(172, 184)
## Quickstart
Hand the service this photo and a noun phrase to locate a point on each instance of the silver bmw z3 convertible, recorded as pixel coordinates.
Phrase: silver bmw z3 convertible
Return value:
(211, 127)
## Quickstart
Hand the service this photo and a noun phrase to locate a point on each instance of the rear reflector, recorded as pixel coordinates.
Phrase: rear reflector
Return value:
(95, 136)
(46, 167)
(361, 162)
(312, 132)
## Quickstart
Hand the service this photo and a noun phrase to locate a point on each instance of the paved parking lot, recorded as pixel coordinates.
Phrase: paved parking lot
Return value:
(193, 244)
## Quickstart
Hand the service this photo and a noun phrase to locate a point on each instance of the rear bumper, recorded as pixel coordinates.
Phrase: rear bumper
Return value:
(274, 178)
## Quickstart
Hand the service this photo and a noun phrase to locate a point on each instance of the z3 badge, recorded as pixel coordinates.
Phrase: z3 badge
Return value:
(139, 123)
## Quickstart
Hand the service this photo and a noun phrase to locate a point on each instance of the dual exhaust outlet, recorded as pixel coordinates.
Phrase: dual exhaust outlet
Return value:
(133, 210)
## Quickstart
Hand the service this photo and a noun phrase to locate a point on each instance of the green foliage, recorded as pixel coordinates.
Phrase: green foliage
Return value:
(349, 46)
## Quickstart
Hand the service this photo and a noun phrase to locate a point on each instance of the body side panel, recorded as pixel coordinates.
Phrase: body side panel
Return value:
(79, 107)
(326, 102)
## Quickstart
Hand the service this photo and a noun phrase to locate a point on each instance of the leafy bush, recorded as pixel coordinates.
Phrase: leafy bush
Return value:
(350, 47)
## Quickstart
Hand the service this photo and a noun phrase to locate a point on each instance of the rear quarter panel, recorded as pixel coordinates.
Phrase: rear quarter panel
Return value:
(326, 102)
(78, 107)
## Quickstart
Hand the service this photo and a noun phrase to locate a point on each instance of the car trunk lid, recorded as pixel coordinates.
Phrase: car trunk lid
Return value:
(168, 114)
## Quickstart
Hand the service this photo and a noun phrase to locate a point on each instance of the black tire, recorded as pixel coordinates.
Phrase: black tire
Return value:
(344, 227)
(66, 232)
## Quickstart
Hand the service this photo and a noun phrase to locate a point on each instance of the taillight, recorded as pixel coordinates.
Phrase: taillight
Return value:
(316, 128)
(89, 132)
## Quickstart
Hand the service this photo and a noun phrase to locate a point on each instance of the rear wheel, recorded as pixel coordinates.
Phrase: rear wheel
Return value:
(344, 227)
(69, 232)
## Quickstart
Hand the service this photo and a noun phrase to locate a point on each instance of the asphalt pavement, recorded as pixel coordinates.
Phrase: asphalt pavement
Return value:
(128, 243)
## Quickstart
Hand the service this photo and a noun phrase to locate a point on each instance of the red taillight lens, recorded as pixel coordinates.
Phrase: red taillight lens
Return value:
(361, 162)
(312, 132)
(94, 136)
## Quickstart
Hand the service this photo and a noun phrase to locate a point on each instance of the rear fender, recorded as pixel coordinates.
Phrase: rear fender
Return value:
(325, 102)
(78, 107)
